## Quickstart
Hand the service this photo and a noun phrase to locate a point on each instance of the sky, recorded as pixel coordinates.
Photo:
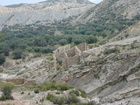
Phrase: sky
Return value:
(10, 2)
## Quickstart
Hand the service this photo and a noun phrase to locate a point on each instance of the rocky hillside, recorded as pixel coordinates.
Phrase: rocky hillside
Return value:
(121, 16)
(108, 78)
(130, 32)
(112, 9)
(109, 73)
(44, 11)
(71, 1)
(112, 77)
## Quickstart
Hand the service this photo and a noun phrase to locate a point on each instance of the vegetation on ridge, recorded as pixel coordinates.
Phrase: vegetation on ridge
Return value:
(44, 37)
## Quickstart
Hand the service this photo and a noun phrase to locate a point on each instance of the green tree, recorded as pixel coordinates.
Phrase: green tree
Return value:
(91, 39)
(40, 42)
(4, 49)
(17, 54)
(78, 40)
(2, 59)
(63, 41)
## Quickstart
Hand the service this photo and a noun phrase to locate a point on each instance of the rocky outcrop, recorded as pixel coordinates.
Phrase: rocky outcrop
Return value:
(115, 80)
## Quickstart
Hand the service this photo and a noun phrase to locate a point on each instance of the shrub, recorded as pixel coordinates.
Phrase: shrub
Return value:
(60, 101)
(22, 92)
(57, 93)
(6, 93)
(17, 54)
(74, 92)
(63, 41)
(89, 103)
(54, 86)
(2, 85)
(36, 91)
(91, 39)
(2, 59)
(50, 59)
(41, 100)
(49, 96)
(83, 93)
(60, 63)
(102, 61)
(96, 75)
(56, 100)
(72, 99)
(109, 51)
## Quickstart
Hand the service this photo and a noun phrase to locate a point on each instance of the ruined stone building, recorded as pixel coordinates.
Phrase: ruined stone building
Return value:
(68, 56)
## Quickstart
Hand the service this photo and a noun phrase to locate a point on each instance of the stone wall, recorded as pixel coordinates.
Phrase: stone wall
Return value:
(59, 53)
(29, 82)
(71, 52)
(73, 60)
(22, 82)
(55, 62)
(82, 47)
(62, 49)
(77, 51)
(16, 81)
(67, 62)
(60, 56)
(98, 50)
(51, 64)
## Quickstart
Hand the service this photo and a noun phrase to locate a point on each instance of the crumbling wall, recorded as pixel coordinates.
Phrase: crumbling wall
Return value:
(95, 51)
(64, 63)
(62, 49)
(73, 60)
(82, 47)
(71, 52)
(54, 62)
(59, 56)
(29, 82)
(98, 50)
(16, 81)
(67, 62)
(77, 51)
(22, 82)
(51, 64)
(59, 53)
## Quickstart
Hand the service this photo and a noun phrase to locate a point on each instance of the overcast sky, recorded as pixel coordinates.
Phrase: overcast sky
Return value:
(9, 2)
(95, 1)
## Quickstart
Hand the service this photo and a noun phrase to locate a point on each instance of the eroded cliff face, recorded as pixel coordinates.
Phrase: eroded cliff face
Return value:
(109, 79)
(45, 11)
